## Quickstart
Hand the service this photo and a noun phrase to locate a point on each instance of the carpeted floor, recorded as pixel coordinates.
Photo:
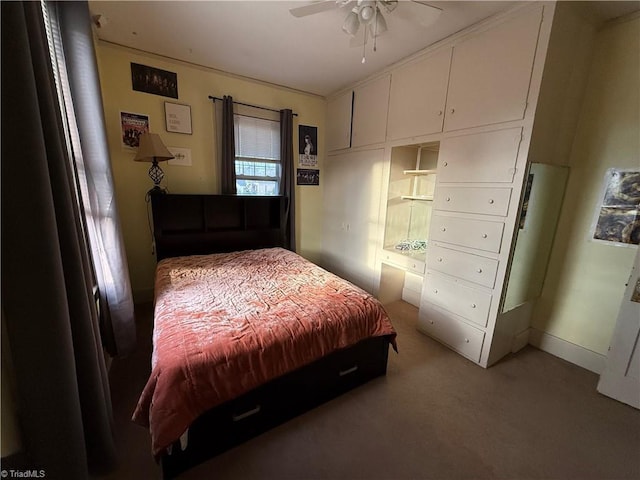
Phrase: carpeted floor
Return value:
(434, 416)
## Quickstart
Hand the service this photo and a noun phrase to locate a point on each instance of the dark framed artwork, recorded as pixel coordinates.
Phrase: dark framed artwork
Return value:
(307, 146)
(154, 80)
(307, 176)
(525, 201)
(618, 217)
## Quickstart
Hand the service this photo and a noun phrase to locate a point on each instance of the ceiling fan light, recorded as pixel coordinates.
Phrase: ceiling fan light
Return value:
(351, 23)
(367, 12)
(381, 24)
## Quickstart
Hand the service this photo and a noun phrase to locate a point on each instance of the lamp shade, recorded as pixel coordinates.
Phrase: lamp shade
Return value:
(352, 22)
(152, 149)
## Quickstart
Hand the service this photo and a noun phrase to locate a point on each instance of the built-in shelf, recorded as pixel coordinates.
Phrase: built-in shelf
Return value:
(424, 198)
(420, 172)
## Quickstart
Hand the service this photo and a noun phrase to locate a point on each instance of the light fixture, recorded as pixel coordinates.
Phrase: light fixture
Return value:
(151, 149)
(366, 12)
(352, 22)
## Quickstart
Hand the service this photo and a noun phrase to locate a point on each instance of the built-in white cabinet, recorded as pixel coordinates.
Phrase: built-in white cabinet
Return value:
(491, 73)
(370, 107)
(418, 96)
(339, 110)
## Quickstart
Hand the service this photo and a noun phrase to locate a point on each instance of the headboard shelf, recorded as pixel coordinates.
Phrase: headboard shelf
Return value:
(192, 224)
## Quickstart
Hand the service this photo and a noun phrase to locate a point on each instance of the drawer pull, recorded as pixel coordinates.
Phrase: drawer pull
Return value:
(479, 270)
(435, 290)
(448, 199)
(414, 266)
(439, 259)
(431, 322)
(491, 201)
(248, 413)
(484, 235)
(439, 112)
(443, 229)
(453, 110)
(466, 340)
(473, 305)
(445, 164)
(342, 373)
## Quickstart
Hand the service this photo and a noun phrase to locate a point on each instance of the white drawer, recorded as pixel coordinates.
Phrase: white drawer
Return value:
(478, 234)
(486, 201)
(488, 157)
(404, 261)
(458, 335)
(467, 302)
(473, 268)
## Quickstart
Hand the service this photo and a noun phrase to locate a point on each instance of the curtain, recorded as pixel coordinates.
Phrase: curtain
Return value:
(91, 155)
(228, 150)
(287, 184)
(47, 299)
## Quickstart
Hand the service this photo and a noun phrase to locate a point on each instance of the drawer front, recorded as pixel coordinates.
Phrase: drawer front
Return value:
(403, 261)
(443, 326)
(488, 157)
(478, 234)
(473, 268)
(467, 302)
(485, 201)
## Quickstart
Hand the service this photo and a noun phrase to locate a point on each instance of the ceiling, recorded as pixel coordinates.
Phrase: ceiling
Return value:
(262, 40)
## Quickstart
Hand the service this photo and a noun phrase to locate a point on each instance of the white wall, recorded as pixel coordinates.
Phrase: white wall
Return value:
(586, 279)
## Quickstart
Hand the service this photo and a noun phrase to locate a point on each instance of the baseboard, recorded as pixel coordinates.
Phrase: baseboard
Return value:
(568, 351)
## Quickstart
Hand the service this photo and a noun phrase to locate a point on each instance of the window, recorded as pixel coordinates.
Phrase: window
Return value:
(257, 142)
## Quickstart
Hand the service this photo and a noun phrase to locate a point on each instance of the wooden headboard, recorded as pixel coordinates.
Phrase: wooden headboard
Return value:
(202, 224)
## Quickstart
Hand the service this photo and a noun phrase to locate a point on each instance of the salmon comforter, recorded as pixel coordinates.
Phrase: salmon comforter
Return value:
(227, 323)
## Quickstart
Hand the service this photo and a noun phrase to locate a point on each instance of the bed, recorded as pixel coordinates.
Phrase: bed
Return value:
(247, 334)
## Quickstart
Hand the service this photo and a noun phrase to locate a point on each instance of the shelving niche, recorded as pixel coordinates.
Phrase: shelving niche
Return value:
(410, 196)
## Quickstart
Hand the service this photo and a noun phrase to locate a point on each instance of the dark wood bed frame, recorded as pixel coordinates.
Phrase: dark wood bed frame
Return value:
(202, 224)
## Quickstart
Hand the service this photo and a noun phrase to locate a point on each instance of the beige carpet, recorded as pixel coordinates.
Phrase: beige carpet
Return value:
(434, 416)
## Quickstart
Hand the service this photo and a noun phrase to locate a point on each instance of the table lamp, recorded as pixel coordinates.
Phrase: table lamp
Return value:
(151, 149)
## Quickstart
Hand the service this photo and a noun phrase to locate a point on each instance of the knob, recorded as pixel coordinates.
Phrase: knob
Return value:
(439, 112)
(448, 199)
(473, 305)
(445, 164)
(431, 322)
(443, 229)
(439, 259)
(453, 110)
(484, 235)
(479, 270)
(435, 290)
(414, 265)
(491, 201)
(466, 340)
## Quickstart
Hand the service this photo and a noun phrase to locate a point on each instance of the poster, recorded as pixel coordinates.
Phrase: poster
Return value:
(308, 146)
(132, 125)
(306, 176)
(618, 217)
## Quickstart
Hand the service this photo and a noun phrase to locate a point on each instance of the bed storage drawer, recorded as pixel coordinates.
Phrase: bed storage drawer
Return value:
(270, 405)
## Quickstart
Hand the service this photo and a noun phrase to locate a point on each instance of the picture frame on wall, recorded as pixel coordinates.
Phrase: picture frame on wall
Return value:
(178, 118)
(154, 80)
(132, 125)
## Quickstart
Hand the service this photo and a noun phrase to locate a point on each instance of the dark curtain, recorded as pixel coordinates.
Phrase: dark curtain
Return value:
(91, 155)
(288, 183)
(47, 299)
(228, 152)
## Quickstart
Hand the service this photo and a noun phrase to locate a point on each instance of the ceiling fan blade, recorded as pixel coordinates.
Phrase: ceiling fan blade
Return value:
(313, 8)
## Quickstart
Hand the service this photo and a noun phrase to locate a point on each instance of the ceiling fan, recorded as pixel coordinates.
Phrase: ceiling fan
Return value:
(368, 15)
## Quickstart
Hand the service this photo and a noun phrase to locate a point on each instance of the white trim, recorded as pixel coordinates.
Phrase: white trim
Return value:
(568, 351)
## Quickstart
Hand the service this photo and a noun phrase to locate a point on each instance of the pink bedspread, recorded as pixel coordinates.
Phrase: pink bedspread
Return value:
(227, 323)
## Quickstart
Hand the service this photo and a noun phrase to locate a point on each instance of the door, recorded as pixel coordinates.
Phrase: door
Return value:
(370, 108)
(621, 376)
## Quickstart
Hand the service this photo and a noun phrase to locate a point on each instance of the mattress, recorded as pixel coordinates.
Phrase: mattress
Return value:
(225, 324)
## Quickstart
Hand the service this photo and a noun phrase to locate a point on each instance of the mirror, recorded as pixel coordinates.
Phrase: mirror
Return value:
(543, 196)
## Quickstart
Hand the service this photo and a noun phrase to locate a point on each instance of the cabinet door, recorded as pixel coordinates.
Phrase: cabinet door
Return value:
(418, 95)
(490, 73)
(370, 106)
(352, 186)
(481, 157)
(339, 122)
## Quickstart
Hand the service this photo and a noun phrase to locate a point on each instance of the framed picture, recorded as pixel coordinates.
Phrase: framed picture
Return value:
(308, 146)
(181, 156)
(132, 125)
(306, 176)
(618, 214)
(178, 118)
(154, 80)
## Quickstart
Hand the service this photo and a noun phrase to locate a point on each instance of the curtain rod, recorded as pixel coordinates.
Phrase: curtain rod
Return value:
(249, 105)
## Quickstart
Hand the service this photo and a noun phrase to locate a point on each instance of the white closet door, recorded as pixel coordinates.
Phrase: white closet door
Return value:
(490, 74)
(370, 107)
(339, 121)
